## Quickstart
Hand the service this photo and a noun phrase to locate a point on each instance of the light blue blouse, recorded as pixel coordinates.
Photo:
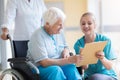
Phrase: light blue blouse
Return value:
(42, 45)
(98, 67)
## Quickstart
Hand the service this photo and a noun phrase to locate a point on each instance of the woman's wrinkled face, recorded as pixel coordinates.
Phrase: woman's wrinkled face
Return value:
(55, 28)
(87, 24)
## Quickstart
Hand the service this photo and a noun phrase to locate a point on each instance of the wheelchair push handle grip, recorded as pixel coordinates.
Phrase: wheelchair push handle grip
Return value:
(9, 37)
(12, 46)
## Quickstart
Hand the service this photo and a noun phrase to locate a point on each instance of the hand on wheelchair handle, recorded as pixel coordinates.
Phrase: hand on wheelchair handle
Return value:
(8, 36)
(5, 34)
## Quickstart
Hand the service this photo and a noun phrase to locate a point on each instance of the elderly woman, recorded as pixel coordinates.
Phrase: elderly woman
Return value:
(47, 48)
(102, 70)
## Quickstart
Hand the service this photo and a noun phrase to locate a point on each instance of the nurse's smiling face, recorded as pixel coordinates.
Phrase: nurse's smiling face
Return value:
(87, 24)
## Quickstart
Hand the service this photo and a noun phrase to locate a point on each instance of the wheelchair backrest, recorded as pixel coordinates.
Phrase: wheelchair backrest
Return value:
(20, 48)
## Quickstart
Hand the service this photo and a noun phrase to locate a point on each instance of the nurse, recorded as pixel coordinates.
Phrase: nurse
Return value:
(26, 16)
(102, 70)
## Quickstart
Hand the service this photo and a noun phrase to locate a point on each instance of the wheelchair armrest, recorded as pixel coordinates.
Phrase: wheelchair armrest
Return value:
(32, 66)
(21, 59)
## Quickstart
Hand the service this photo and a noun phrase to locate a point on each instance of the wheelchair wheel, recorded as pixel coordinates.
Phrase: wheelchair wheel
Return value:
(11, 74)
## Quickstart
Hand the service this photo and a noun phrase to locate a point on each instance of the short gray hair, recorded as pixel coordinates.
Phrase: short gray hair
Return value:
(52, 15)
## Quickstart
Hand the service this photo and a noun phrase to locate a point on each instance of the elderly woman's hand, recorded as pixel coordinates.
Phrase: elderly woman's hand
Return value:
(100, 55)
(65, 53)
(76, 59)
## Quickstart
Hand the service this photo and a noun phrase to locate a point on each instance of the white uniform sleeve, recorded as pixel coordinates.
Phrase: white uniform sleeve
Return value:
(43, 6)
(10, 13)
(43, 10)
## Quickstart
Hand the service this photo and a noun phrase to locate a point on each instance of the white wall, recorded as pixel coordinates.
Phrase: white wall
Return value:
(94, 7)
(111, 15)
(111, 12)
(107, 13)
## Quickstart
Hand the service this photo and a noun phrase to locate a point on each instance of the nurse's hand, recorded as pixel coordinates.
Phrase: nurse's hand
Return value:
(4, 34)
(100, 55)
(85, 67)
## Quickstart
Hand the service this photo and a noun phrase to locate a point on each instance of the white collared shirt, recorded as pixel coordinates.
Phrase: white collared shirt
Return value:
(26, 17)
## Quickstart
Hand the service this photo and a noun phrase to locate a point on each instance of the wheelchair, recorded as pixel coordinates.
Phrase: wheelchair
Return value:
(21, 67)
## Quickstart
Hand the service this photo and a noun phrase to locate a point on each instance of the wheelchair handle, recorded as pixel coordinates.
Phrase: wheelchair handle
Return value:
(8, 36)
(11, 44)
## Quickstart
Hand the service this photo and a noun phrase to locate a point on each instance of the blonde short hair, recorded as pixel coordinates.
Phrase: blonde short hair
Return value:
(52, 15)
(88, 14)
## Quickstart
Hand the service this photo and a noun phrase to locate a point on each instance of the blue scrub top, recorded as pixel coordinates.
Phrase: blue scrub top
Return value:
(98, 67)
